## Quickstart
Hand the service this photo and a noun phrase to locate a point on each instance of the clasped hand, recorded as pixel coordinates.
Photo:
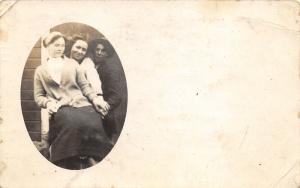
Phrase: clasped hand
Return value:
(53, 107)
(101, 105)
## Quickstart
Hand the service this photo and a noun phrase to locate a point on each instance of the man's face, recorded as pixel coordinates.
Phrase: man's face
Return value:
(78, 50)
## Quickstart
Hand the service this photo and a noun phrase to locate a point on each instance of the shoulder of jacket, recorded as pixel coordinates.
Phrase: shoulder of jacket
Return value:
(87, 62)
(40, 68)
(71, 61)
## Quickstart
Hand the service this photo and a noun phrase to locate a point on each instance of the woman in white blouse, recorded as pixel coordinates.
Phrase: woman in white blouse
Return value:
(77, 50)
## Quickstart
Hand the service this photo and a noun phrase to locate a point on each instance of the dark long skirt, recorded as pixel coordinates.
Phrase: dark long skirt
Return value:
(77, 132)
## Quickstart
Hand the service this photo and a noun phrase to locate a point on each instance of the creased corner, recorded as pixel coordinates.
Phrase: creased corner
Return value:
(6, 5)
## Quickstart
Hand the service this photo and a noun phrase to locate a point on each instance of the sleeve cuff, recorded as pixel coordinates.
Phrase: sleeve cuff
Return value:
(92, 96)
(45, 103)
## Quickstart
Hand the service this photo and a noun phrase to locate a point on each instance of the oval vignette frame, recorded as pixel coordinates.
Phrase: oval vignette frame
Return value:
(113, 81)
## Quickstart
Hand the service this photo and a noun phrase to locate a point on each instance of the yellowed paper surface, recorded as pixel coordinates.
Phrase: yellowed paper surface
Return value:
(213, 93)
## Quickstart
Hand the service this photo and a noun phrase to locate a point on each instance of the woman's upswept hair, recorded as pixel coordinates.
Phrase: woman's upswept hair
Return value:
(52, 37)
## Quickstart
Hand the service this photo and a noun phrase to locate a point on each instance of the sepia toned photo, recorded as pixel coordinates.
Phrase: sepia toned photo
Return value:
(73, 96)
(142, 94)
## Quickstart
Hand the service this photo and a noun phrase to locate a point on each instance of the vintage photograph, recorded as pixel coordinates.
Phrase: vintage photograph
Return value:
(74, 96)
(142, 94)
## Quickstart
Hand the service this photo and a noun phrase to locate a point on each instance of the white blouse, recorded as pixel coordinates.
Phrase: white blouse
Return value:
(91, 74)
(55, 68)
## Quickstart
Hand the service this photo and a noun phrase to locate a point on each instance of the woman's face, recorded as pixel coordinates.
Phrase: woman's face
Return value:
(78, 50)
(100, 51)
(57, 48)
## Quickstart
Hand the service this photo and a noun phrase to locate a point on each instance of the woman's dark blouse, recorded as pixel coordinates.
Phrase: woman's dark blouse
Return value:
(114, 90)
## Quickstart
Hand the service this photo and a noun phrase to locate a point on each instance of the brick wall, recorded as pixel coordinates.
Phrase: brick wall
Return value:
(31, 112)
